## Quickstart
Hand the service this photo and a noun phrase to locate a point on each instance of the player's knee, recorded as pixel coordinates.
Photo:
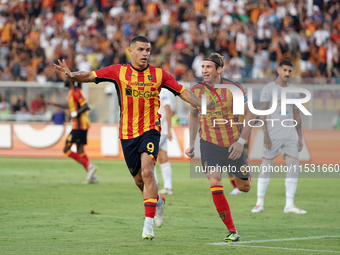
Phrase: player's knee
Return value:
(245, 188)
(147, 173)
(215, 182)
(162, 156)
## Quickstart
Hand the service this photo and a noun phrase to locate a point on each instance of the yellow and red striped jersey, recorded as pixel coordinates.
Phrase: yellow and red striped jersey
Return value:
(76, 100)
(138, 98)
(212, 125)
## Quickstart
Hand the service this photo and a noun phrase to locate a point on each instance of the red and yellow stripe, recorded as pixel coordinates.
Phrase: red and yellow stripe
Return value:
(222, 135)
(215, 190)
(151, 202)
(139, 113)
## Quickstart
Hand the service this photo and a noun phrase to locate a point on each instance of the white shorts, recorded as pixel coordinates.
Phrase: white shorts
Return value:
(288, 148)
(163, 142)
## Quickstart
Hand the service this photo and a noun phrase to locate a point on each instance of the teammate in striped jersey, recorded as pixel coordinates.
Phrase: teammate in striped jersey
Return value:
(221, 144)
(80, 124)
(138, 85)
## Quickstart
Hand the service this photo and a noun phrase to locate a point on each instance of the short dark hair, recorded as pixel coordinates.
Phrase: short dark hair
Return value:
(140, 38)
(285, 62)
(216, 58)
(68, 83)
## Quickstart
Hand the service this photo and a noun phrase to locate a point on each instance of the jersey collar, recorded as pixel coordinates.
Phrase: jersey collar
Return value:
(138, 70)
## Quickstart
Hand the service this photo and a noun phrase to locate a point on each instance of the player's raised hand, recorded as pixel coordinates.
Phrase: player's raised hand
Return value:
(169, 136)
(236, 150)
(300, 144)
(62, 67)
(190, 152)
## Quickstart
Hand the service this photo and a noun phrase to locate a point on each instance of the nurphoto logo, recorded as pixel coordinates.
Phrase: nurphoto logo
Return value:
(238, 100)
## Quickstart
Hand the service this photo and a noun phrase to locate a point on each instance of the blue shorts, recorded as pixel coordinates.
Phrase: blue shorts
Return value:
(77, 136)
(213, 155)
(134, 147)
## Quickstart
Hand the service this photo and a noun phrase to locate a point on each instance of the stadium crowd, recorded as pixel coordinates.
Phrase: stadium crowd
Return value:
(252, 35)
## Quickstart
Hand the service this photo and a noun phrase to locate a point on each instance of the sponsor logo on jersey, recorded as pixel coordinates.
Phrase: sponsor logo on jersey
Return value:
(140, 93)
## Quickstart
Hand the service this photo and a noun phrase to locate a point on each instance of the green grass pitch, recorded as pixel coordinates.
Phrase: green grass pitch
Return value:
(44, 209)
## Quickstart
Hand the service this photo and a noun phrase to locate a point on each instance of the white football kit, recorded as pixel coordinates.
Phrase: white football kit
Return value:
(283, 136)
(281, 128)
(164, 98)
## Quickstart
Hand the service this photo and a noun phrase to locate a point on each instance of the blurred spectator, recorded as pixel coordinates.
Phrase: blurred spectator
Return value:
(23, 114)
(58, 117)
(38, 105)
(91, 34)
(20, 102)
(236, 64)
(5, 108)
(259, 64)
(41, 78)
(197, 65)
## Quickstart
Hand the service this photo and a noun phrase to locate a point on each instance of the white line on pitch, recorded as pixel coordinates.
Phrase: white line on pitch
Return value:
(38, 182)
(274, 240)
(283, 248)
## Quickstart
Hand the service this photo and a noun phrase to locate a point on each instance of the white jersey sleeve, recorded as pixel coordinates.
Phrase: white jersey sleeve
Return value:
(164, 97)
(266, 93)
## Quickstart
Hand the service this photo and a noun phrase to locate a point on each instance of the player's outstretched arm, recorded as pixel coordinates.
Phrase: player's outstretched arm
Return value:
(297, 118)
(236, 149)
(80, 76)
(190, 97)
(82, 109)
(193, 129)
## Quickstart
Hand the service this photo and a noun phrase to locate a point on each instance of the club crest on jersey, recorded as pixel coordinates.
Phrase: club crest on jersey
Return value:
(150, 77)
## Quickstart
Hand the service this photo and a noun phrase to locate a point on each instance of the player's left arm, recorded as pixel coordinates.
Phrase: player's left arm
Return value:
(80, 76)
(297, 118)
(172, 85)
(82, 109)
(236, 149)
(190, 97)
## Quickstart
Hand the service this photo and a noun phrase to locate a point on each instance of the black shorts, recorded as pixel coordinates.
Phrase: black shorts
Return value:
(77, 136)
(213, 155)
(134, 147)
(246, 148)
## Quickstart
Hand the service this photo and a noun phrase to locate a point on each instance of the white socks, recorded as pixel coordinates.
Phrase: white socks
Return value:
(155, 174)
(291, 180)
(263, 180)
(167, 175)
(148, 220)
